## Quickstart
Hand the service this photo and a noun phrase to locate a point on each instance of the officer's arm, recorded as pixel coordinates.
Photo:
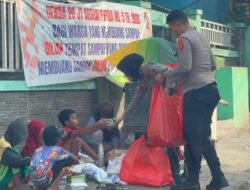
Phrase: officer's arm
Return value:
(213, 65)
(151, 69)
(149, 72)
(184, 60)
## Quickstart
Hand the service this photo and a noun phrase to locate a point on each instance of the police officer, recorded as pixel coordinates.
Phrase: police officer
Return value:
(195, 64)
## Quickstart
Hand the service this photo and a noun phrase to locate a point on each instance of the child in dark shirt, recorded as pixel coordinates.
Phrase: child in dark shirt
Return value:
(109, 137)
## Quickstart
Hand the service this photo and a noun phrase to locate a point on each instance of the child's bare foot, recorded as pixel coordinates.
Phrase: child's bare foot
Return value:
(16, 183)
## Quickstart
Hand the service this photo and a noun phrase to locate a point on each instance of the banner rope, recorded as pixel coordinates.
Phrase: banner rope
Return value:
(27, 104)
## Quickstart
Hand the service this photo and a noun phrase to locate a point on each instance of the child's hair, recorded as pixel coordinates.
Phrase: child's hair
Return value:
(104, 110)
(130, 65)
(64, 115)
(51, 135)
(16, 132)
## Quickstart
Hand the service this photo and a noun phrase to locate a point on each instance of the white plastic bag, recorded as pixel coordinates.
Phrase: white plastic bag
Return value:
(115, 165)
(85, 158)
(91, 171)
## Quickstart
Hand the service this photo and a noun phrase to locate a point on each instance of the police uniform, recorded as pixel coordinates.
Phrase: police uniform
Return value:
(201, 96)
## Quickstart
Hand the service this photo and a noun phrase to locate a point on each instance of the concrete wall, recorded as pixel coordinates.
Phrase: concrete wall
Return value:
(44, 105)
(107, 91)
(241, 97)
(46, 102)
(224, 80)
(233, 87)
(247, 53)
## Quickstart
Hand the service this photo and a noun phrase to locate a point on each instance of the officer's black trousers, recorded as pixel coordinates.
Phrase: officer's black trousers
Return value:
(197, 113)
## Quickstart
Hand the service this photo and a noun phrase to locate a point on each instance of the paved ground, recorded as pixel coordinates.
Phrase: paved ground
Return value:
(233, 148)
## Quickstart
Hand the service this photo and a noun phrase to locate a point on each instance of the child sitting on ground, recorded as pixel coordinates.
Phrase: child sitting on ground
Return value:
(13, 166)
(109, 137)
(49, 162)
(72, 142)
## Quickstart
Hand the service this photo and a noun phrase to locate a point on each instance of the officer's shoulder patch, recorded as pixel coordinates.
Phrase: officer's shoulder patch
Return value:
(180, 43)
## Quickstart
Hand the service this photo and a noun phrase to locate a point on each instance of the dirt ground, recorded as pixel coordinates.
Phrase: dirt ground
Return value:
(233, 148)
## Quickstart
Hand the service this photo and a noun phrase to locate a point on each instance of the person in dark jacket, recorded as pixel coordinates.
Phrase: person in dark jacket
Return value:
(110, 137)
(13, 166)
(144, 75)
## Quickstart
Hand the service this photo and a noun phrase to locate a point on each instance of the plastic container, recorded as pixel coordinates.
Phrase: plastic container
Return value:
(62, 185)
(110, 122)
(101, 157)
(181, 167)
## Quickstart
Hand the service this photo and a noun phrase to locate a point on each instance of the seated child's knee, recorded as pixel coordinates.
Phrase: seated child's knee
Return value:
(78, 140)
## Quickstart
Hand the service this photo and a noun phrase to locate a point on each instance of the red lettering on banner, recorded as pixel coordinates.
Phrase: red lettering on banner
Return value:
(72, 13)
(135, 18)
(107, 15)
(99, 66)
(117, 16)
(53, 48)
(92, 14)
(55, 12)
(125, 17)
(79, 14)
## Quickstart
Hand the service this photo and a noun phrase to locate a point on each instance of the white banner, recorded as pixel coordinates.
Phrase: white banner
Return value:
(68, 42)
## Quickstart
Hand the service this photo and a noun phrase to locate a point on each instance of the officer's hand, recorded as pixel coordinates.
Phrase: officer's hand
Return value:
(149, 72)
(118, 120)
(159, 78)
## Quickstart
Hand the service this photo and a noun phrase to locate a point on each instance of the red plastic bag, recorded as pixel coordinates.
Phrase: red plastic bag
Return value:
(165, 126)
(148, 166)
